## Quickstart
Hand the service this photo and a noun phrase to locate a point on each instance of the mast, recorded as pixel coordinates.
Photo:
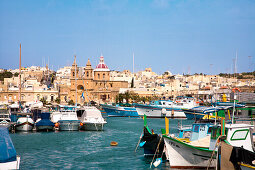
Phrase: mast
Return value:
(75, 84)
(20, 77)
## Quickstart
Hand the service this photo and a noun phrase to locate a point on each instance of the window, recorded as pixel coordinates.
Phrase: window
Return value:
(196, 128)
(52, 98)
(73, 74)
(87, 74)
(98, 75)
(103, 76)
(240, 134)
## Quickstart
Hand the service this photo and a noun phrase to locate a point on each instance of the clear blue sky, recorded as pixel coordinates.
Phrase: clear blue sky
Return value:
(176, 35)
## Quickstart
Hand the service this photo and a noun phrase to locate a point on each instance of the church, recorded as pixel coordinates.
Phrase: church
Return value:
(93, 84)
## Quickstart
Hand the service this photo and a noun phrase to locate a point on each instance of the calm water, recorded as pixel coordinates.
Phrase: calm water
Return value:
(88, 150)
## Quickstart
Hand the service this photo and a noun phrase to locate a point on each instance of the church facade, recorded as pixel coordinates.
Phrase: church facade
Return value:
(93, 84)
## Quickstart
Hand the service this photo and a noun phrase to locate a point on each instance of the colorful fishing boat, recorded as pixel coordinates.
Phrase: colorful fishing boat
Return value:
(184, 155)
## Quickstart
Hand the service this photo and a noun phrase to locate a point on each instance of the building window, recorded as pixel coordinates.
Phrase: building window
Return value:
(52, 98)
(103, 76)
(73, 74)
(98, 75)
(38, 97)
(87, 74)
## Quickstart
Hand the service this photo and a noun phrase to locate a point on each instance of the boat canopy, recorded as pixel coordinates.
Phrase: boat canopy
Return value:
(7, 150)
(91, 111)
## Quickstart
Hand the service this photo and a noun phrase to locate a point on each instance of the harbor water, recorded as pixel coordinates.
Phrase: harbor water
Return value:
(89, 149)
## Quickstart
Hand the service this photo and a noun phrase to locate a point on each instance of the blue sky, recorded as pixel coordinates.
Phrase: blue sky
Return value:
(190, 36)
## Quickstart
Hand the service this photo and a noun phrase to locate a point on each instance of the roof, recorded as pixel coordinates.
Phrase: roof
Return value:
(102, 66)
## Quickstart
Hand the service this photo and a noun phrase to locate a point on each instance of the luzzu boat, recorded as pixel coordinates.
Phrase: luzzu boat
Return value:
(119, 110)
(184, 155)
(8, 156)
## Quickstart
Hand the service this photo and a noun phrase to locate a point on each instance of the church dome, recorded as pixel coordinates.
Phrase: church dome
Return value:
(102, 66)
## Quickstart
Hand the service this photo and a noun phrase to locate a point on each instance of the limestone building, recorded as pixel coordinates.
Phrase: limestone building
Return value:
(93, 84)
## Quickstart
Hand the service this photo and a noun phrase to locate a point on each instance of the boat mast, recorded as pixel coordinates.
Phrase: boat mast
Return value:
(20, 77)
(75, 84)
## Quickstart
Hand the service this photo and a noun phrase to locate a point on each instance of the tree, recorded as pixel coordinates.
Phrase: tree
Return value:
(43, 100)
(70, 102)
(57, 100)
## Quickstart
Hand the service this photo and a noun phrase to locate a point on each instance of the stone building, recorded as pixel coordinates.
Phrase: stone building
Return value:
(93, 84)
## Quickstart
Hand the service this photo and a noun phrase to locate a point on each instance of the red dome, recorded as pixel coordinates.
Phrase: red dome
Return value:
(101, 64)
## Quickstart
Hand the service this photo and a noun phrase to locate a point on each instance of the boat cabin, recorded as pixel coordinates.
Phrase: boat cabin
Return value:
(239, 135)
(200, 130)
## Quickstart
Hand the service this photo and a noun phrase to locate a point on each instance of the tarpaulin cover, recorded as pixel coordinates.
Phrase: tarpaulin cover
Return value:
(7, 150)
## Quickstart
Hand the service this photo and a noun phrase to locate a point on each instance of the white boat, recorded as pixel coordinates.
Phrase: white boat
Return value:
(184, 155)
(166, 108)
(68, 121)
(5, 120)
(92, 119)
(24, 124)
(8, 156)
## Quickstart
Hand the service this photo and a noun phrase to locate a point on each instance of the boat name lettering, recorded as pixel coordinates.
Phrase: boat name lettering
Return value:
(174, 144)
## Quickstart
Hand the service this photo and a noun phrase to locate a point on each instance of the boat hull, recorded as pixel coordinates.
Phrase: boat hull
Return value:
(93, 126)
(44, 128)
(185, 156)
(193, 116)
(26, 126)
(69, 125)
(10, 165)
(156, 112)
(118, 111)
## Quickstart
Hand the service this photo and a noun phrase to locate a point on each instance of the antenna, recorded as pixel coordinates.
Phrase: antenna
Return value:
(133, 63)
(236, 63)
(250, 63)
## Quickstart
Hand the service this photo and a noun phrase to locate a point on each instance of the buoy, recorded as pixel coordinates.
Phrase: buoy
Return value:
(56, 125)
(157, 162)
(113, 143)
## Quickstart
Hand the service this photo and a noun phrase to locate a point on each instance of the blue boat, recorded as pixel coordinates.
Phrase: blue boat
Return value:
(119, 111)
(8, 156)
(44, 124)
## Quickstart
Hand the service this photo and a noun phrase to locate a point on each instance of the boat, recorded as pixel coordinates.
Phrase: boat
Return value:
(184, 155)
(8, 155)
(150, 142)
(232, 157)
(24, 123)
(92, 119)
(119, 110)
(5, 120)
(205, 112)
(44, 124)
(67, 119)
(166, 108)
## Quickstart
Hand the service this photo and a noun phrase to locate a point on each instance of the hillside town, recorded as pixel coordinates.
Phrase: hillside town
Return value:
(99, 84)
